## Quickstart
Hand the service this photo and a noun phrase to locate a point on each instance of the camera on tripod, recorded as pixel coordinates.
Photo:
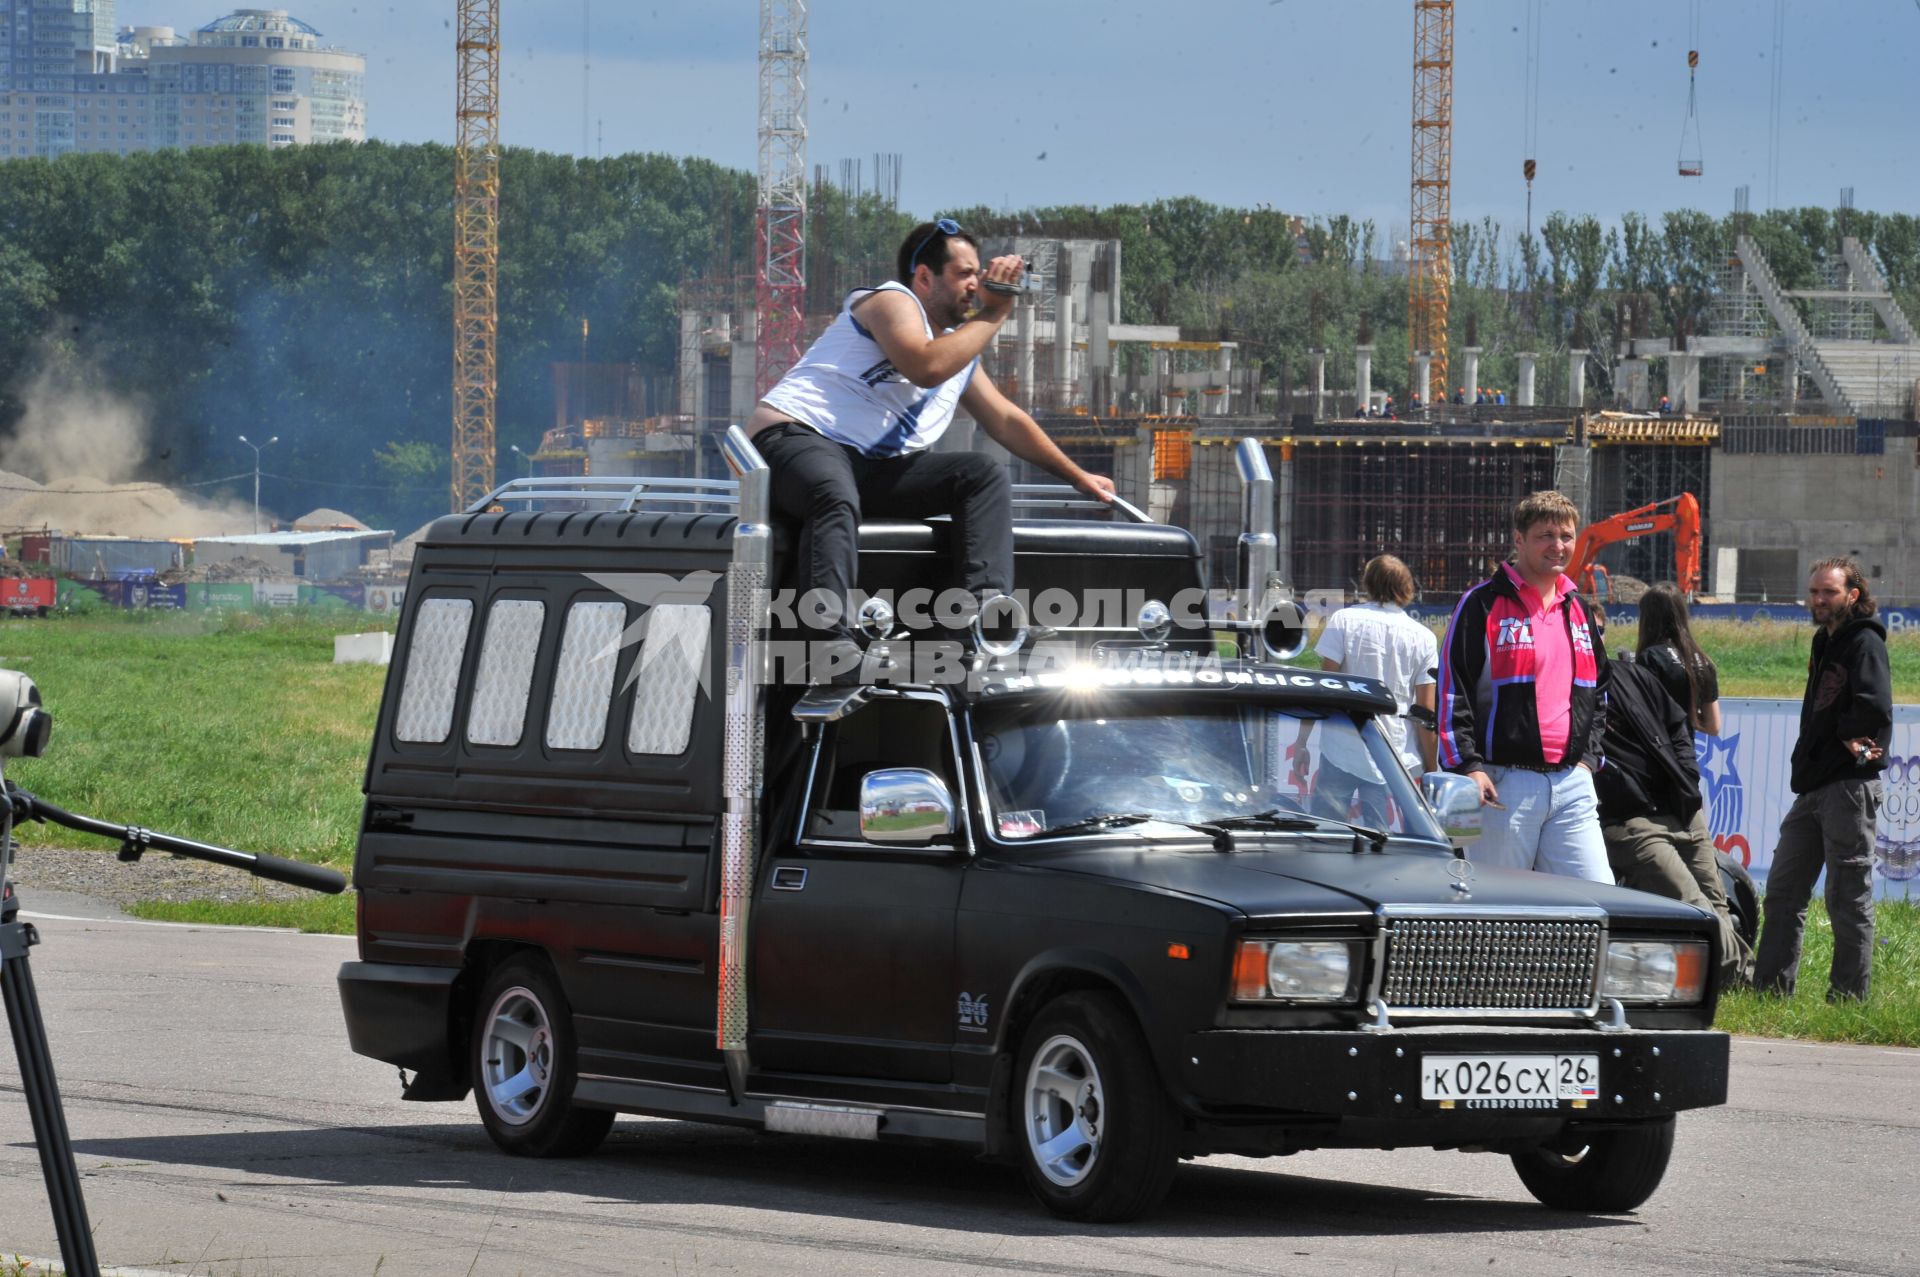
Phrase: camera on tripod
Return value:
(27, 725)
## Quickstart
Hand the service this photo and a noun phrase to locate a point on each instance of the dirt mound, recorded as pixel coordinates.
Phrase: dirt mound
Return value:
(327, 519)
(241, 569)
(87, 506)
(1626, 589)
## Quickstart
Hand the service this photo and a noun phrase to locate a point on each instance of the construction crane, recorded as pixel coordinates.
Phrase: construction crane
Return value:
(780, 291)
(1679, 515)
(476, 249)
(1430, 264)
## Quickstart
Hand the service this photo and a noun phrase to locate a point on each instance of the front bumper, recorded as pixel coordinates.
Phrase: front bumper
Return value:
(1282, 1074)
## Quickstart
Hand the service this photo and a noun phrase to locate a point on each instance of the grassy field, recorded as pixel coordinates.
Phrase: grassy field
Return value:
(238, 729)
(1770, 658)
(1890, 1017)
(231, 728)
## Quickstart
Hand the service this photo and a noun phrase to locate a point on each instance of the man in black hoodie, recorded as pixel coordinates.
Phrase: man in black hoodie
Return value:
(1846, 722)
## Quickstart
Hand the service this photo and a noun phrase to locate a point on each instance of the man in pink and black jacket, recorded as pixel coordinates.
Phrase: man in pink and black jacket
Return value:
(1523, 703)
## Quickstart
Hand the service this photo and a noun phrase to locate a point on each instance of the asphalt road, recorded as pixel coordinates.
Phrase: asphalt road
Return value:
(223, 1127)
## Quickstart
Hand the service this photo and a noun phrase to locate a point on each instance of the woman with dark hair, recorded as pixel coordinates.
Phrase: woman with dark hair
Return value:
(1663, 844)
(1667, 648)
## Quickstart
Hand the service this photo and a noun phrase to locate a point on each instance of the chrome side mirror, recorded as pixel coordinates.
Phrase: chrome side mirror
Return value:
(1455, 801)
(904, 804)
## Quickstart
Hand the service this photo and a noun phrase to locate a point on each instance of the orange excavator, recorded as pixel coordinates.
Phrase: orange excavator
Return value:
(1679, 515)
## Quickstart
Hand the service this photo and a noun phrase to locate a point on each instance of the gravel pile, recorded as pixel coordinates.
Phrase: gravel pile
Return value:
(155, 876)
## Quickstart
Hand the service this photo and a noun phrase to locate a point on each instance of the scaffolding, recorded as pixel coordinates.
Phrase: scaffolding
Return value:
(1628, 476)
(1444, 505)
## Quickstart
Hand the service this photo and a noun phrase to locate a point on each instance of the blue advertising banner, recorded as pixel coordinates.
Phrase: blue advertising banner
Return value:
(1744, 775)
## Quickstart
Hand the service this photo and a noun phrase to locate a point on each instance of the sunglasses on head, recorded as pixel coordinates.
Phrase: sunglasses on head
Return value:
(945, 226)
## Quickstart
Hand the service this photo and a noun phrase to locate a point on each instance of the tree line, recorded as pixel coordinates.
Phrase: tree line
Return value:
(306, 292)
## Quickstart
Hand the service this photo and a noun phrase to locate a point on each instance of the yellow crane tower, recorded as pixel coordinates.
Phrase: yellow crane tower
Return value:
(1430, 265)
(476, 249)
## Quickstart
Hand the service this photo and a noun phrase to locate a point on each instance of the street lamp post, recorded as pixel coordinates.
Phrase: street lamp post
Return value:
(256, 475)
(514, 448)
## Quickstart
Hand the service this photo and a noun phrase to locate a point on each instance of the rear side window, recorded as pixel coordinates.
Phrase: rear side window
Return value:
(498, 713)
(673, 660)
(583, 677)
(433, 670)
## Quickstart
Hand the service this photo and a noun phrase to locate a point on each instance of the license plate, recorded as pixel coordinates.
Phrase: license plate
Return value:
(1509, 1081)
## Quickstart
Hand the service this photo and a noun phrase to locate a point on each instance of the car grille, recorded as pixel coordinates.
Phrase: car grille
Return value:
(1504, 964)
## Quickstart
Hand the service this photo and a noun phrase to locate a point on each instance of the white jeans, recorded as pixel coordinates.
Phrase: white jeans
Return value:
(1551, 823)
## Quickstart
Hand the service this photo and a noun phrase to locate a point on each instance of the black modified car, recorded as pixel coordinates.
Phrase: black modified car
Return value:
(1080, 911)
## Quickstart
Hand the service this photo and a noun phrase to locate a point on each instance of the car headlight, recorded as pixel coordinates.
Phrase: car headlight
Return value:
(1655, 971)
(1294, 971)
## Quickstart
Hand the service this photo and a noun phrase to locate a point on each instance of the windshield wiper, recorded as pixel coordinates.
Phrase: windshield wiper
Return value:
(1109, 820)
(1274, 818)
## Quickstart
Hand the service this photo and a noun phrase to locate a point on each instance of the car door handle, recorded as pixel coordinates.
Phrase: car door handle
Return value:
(789, 877)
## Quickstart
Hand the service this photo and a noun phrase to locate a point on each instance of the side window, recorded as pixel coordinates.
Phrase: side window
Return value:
(673, 659)
(440, 629)
(583, 677)
(882, 734)
(498, 713)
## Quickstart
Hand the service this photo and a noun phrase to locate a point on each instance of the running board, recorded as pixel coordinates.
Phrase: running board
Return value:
(835, 1120)
(794, 1117)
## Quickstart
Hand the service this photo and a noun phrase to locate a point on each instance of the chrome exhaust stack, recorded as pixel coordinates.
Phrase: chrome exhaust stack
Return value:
(749, 603)
(1270, 625)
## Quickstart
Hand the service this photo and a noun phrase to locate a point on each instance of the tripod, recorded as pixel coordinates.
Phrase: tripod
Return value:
(23, 1003)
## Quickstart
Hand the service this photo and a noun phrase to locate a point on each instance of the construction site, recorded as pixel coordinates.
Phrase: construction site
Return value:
(1784, 399)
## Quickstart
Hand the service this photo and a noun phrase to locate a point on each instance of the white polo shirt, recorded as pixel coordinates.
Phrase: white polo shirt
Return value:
(1379, 640)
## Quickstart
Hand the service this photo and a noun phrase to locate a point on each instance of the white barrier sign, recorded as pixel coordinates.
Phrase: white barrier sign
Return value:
(1744, 779)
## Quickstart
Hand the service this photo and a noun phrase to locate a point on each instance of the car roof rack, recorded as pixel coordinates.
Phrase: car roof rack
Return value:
(628, 494)
(622, 493)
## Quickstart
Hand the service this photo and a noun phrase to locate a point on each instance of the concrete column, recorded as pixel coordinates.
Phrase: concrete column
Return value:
(1363, 376)
(1577, 377)
(1283, 523)
(1223, 377)
(690, 379)
(1024, 316)
(1573, 475)
(1319, 361)
(1470, 356)
(1063, 352)
(1523, 389)
(744, 368)
(1630, 384)
(701, 409)
(1683, 381)
(1422, 379)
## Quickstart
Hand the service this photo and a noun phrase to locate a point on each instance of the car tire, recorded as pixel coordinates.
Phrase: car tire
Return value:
(1602, 1171)
(523, 1066)
(1743, 898)
(1098, 1138)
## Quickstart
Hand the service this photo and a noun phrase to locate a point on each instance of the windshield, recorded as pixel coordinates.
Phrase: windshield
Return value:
(1061, 762)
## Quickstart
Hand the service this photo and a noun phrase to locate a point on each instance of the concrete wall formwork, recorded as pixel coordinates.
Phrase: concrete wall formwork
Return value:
(1784, 513)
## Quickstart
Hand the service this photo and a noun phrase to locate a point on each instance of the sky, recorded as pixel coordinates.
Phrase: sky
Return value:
(1299, 105)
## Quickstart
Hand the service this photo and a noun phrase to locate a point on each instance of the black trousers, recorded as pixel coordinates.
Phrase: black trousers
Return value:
(828, 486)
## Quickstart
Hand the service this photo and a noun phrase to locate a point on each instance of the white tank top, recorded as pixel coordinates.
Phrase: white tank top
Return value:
(846, 388)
